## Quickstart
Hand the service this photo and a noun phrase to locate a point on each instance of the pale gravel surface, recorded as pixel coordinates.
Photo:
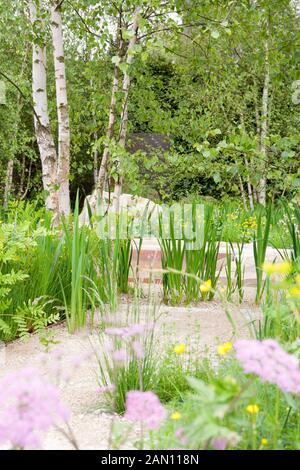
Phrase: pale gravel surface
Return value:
(201, 327)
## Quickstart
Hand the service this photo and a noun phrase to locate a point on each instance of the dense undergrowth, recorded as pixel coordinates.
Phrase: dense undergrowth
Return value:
(68, 271)
(243, 396)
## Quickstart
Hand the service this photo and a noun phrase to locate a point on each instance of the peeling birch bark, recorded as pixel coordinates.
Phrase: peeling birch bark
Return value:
(63, 165)
(124, 113)
(264, 127)
(43, 133)
(110, 132)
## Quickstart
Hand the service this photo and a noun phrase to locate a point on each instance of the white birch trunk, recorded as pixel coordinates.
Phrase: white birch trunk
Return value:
(124, 113)
(243, 193)
(264, 127)
(41, 121)
(95, 165)
(110, 131)
(63, 166)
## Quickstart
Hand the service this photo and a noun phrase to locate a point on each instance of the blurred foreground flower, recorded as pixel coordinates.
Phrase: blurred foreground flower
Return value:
(106, 389)
(277, 268)
(252, 409)
(176, 416)
(179, 348)
(270, 362)
(28, 405)
(205, 286)
(219, 443)
(180, 435)
(294, 291)
(144, 407)
(224, 348)
(129, 332)
(119, 356)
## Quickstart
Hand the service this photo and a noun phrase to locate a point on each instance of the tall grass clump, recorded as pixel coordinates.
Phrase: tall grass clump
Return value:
(131, 358)
(202, 262)
(47, 271)
(172, 256)
(190, 263)
(78, 246)
(292, 219)
(235, 271)
(260, 245)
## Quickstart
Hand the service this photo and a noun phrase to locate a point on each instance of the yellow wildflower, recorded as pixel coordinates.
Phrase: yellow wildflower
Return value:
(264, 441)
(298, 280)
(205, 286)
(224, 348)
(179, 348)
(176, 416)
(277, 268)
(250, 223)
(252, 409)
(295, 291)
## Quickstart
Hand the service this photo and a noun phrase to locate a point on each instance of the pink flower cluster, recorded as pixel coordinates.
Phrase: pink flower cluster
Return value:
(270, 362)
(28, 406)
(219, 443)
(128, 331)
(180, 434)
(129, 334)
(144, 407)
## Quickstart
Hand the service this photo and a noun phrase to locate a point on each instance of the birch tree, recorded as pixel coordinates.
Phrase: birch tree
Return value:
(63, 162)
(55, 163)
(111, 123)
(43, 133)
(261, 190)
(127, 38)
(124, 111)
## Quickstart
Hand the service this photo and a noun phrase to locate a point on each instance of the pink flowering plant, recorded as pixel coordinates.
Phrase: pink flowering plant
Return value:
(146, 410)
(270, 362)
(133, 370)
(126, 362)
(29, 406)
(250, 401)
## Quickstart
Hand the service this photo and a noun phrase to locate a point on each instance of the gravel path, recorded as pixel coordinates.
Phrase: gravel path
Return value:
(199, 327)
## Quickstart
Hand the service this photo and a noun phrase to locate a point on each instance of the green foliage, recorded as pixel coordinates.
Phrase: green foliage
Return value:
(292, 217)
(188, 262)
(260, 244)
(80, 264)
(163, 373)
(33, 317)
(215, 408)
(11, 246)
(209, 405)
(201, 87)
